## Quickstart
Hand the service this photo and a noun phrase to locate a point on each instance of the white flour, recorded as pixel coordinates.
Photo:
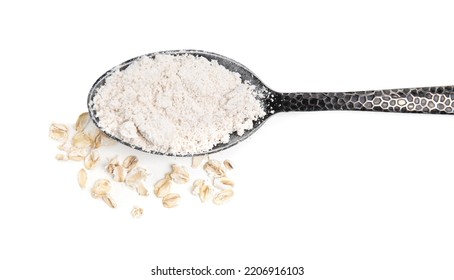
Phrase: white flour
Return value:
(176, 104)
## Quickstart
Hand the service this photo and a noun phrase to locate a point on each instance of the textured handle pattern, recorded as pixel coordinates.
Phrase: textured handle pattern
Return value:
(434, 100)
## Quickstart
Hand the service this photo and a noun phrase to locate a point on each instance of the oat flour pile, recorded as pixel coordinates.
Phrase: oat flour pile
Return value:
(176, 104)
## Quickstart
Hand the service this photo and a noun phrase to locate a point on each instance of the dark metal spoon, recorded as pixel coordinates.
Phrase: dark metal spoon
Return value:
(433, 100)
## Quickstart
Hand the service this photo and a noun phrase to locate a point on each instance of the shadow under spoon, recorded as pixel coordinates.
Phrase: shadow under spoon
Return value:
(431, 100)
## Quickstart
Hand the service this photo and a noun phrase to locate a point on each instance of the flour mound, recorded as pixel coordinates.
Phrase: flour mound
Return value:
(176, 104)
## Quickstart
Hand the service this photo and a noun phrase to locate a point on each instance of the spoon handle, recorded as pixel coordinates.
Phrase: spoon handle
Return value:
(434, 100)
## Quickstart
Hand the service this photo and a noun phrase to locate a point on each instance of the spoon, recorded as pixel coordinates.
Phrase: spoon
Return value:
(433, 100)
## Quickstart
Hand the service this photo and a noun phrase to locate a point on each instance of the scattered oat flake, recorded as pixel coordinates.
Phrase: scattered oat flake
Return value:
(91, 130)
(220, 185)
(92, 159)
(97, 142)
(162, 187)
(228, 164)
(227, 181)
(214, 168)
(141, 189)
(101, 139)
(171, 200)
(58, 132)
(137, 212)
(180, 174)
(112, 164)
(100, 188)
(205, 192)
(61, 157)
(130, 162)
(119, 173)
(135, 176)
(82, 178)
(222, 197)
(77, 154)
(82, 121)
(196, 186)
(65, 147)
(109, 201)
(81, 140)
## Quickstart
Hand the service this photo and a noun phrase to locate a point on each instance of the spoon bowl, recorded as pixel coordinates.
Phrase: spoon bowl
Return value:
(246, 75)
(434, 100)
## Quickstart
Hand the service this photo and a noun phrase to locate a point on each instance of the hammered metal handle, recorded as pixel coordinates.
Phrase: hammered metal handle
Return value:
(433, 100)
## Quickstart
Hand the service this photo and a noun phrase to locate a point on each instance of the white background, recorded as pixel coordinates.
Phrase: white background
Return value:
(347, 195)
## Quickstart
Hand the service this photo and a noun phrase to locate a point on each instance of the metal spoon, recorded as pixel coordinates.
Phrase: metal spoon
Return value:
(433, 100)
